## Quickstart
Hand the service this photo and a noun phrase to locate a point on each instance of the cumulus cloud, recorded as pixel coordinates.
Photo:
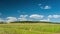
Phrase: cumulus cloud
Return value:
(46, 7)
(11, 19)
(23, 15)
(54, 16)
(36, 16)
(23, 18)
(50, 16)
(45, 19)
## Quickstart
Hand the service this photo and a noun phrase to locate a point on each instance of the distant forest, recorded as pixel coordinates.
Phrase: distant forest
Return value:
(30, 22)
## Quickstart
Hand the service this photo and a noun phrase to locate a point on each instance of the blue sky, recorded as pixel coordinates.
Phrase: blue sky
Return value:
(16, 8)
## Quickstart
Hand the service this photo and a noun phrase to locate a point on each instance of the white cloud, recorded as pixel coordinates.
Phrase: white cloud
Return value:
(23, 18)
(50, 16)
(36, 16)
(11, 19)
(45, 19)
(46, 7)
(23, 15)
(1, 20)
(54, 16)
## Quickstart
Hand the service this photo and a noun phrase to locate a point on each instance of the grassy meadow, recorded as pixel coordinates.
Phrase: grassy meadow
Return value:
(29, 28)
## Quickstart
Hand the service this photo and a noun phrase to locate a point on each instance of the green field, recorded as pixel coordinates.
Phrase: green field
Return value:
(29, 28)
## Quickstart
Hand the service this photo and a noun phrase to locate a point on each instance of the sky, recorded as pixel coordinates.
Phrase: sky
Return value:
(34, 10)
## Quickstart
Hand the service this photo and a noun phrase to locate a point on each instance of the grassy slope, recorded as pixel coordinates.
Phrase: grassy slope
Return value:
(29, 28)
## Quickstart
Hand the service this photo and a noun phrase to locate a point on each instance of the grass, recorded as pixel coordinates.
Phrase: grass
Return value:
(29, 28)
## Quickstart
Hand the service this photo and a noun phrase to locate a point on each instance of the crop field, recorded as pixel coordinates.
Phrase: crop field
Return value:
(29, 28)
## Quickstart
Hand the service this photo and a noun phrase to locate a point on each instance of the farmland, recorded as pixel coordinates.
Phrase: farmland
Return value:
(30, 28)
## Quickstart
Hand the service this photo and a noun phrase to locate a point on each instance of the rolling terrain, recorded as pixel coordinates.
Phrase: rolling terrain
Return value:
(30, 28)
